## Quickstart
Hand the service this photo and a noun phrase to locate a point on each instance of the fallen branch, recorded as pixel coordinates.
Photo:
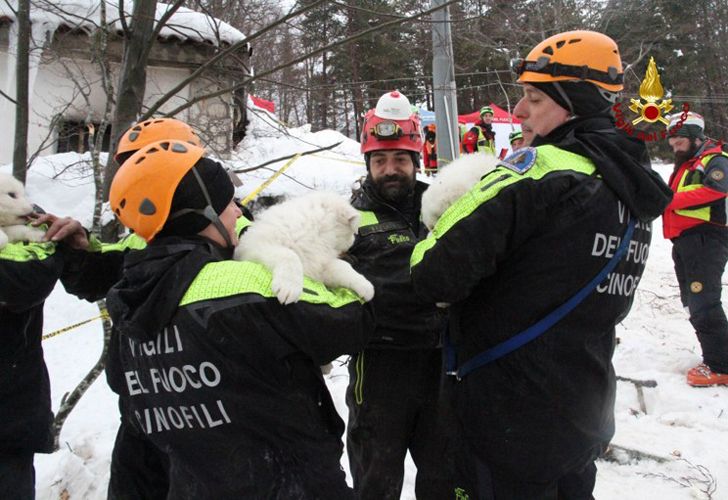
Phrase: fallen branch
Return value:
(703, 477)
(69, 401)
(639, 384)
(250, 169)
(613, 452)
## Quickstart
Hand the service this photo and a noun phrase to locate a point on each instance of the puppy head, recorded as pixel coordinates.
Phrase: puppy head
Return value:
(14, 207)
(344, 220)
(348, 218)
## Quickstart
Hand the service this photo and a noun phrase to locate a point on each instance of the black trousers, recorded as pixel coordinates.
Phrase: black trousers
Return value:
(394, 406)
(700, 257)
(17, 476)
(494, 484)
(139, 471)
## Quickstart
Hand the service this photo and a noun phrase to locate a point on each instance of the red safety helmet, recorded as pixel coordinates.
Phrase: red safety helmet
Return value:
(391, 125)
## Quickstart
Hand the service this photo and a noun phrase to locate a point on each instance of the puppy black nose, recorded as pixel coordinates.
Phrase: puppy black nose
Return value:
(37, 209)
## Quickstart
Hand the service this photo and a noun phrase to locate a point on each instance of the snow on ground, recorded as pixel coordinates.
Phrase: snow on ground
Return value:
(687, 427)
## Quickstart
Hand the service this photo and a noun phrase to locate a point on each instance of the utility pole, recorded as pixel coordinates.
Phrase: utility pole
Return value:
(20, 150)
(443, 83)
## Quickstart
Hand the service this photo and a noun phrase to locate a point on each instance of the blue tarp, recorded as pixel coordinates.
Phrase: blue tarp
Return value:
(426, 117)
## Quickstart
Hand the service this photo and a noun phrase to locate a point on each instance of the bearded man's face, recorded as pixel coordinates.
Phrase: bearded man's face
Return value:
(392, 173)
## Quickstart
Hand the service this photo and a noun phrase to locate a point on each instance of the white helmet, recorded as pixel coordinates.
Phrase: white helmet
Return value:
(393, 106)
(693, 118)
(692, 126)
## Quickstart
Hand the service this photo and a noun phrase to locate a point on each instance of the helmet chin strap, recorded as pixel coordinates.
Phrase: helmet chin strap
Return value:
(208, 212)
(565, 97)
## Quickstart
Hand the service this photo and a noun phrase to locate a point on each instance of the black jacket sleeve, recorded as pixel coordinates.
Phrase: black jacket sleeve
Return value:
(323, 332)
(90, 275)
(28, 273)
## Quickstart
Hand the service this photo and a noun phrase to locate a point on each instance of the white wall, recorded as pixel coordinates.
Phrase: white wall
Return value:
(59, 88)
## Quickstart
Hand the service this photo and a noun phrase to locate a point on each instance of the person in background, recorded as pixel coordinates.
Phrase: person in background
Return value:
(481, 136)
(515, 138)
(695, 221)
(429, 150)
(533, 385)
(219, 376)
(393, 383)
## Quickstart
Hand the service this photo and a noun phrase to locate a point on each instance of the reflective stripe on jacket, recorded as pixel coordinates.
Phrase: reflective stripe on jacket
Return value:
(700, 197)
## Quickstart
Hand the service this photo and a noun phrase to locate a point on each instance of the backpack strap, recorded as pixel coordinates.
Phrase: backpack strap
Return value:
(534, 331)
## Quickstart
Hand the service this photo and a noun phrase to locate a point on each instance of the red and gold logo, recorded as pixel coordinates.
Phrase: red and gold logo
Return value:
(651, 108)
(651, 92)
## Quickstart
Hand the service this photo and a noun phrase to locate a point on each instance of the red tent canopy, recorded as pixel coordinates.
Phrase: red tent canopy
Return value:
(262, 103)
(500, 116)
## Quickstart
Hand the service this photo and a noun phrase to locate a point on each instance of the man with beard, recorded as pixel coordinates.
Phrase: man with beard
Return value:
(695, 222)
(535, 291)
(393, 387)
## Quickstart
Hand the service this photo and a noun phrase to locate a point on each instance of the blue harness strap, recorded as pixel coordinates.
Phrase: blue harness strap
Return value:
(532, 332)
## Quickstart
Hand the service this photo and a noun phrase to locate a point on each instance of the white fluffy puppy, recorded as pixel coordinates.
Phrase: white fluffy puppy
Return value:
(452, 182)
(14, 211)
(305, 236)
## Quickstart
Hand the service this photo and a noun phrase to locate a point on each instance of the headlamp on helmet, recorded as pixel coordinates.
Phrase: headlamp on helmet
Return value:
(387, 131)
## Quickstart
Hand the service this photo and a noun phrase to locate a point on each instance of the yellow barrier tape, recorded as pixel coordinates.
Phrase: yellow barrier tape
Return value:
(270, 180)
(339, 159)
(103, 315)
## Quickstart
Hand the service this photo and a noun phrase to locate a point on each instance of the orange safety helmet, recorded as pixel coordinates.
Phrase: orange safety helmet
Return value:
(143, 187)
(391, 125)
(573, 56)
(153, 130)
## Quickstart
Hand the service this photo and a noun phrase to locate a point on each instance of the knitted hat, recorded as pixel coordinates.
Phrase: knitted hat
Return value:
(692, 127)
(579, 98)
(515, 135)
(189, 195)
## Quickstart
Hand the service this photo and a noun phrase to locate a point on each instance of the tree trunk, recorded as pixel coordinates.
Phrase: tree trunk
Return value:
(96, 140)
(132, 85)
(357, 96)
(20, 150)
(133, 79)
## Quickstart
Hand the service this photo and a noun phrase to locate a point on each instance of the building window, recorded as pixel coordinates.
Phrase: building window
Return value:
(74, 136)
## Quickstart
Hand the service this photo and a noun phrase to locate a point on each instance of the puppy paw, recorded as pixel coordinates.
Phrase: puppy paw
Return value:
(24, 233)
(3, 239)
(33, 234)
(364, 289)
(239, 253)
(288, 288)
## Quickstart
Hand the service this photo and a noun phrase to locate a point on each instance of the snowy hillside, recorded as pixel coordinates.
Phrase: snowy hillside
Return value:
(686, 427)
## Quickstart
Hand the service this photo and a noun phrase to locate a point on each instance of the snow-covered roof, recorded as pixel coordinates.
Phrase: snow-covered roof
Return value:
(185, 24)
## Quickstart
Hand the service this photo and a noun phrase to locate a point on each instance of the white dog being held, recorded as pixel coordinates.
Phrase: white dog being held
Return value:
(452, 182)
(14, 212)
(305, 236)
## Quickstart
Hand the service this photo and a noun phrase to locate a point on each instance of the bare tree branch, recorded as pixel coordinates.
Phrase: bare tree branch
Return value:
(233, 48)
(8, 97)
(309, 55)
